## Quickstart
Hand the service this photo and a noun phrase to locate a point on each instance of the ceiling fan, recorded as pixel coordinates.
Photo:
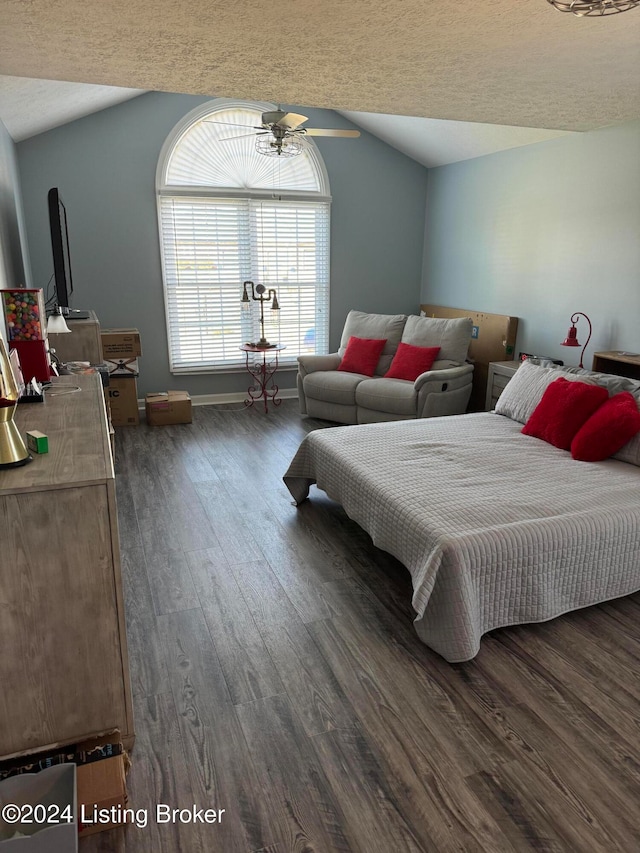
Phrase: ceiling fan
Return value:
(281, 133)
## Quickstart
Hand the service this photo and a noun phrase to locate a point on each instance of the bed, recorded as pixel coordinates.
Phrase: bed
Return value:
(495, 527)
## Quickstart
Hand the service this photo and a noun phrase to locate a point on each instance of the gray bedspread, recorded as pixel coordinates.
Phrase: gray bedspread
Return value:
(496, 528)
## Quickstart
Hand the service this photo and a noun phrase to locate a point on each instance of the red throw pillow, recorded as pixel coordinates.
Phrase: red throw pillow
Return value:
(362, 355)
(410, 361)
(563, 409)
(608, 429)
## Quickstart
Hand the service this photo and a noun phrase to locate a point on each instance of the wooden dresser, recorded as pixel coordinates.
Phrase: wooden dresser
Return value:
(63, 650)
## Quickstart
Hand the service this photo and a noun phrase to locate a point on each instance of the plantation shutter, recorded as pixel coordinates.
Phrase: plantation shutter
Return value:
(221, 225)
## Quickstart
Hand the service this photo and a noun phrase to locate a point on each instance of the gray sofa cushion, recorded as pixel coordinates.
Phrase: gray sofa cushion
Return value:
(333, 386)
(378, 326)
(395, 396)
(452, 336)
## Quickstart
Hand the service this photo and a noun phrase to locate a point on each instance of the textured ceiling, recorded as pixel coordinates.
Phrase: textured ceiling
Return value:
(506, 62)
(437, 142)
(28, 106)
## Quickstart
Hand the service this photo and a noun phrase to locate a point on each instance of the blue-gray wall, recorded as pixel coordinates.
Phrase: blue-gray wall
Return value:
(14, 263)
(540, 232)
(105, 166)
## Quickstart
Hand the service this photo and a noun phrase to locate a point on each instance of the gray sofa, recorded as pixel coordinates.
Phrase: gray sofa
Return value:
(352, 398)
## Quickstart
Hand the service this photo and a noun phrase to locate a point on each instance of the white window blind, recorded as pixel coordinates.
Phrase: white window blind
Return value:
(211, 244)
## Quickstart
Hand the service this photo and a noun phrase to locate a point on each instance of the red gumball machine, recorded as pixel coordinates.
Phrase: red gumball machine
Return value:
(26, 321)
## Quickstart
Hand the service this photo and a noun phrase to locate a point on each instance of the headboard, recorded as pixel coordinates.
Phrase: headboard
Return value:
(494, 339)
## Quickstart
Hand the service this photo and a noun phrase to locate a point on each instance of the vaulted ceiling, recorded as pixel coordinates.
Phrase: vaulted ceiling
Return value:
(438, 82)
(505, 62)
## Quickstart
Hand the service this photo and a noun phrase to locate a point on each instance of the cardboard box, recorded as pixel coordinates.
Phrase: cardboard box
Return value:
(168, 407)
(120, 343)
(102, 794)
(123, 367)
(123, 400)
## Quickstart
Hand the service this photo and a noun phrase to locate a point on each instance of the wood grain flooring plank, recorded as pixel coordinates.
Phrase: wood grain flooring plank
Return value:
(305, 815)
(626, 711)
(374, 817)
(219, 766)
(400, 663)
(159, 775)
(138, 457)
(534, 817)
(191, 524)
(146, 659)
(425, 770)
(127, 518)
(311, 685)
(264, 594)
(170, 581)
(297, 575)
(155, 521)
(604, 814)
(553, 701)
(520, 817)
(247, 666)
(180, 446)
(232, 533)
(616, 677)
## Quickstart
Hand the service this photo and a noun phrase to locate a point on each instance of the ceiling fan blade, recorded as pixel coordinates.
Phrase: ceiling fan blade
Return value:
(289, 121)
(243, 135)
(317, 131)
(229, 123)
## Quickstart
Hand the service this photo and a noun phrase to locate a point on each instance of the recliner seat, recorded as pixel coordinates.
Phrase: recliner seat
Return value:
(352, 398)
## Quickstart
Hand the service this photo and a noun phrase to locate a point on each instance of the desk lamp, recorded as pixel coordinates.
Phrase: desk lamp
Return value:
(260, 289)
(572, 335)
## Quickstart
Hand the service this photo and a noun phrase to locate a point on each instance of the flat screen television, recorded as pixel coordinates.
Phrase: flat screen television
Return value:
(61, 258)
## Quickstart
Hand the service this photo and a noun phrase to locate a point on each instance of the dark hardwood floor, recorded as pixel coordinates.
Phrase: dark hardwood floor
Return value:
(276, 675)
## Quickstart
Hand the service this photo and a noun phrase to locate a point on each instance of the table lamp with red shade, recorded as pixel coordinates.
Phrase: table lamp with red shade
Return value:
(572, 335)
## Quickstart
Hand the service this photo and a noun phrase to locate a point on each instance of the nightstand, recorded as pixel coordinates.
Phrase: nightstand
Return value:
(500, 372)
(621, 363)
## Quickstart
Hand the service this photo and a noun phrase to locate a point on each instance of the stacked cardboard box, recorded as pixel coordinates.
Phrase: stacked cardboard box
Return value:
(121, 349)
(168, 407)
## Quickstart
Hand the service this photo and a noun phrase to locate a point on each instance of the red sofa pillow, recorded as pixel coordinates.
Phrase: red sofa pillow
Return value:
(362, 355)
(410, 361)
(563, 409)
(608, 429)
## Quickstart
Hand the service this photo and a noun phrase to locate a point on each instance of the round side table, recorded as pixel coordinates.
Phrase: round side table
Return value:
(263, 372)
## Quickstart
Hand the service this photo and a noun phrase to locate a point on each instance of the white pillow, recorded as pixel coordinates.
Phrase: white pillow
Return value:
(525, 389)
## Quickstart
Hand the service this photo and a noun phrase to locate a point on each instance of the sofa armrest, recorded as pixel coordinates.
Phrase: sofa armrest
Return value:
(450, 374)
(313, 363)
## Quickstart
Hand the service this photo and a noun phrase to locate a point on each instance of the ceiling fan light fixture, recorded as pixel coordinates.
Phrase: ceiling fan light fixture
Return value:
(592, 8)
(271, 146)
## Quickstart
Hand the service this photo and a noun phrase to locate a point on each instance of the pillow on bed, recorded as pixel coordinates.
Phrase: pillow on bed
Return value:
(362, 355)
(410, 361)
(525, 389)
(607, 430)
(565, 406)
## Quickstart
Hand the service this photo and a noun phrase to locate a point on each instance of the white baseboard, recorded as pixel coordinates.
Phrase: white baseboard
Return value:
(238, 397)
(233, 397)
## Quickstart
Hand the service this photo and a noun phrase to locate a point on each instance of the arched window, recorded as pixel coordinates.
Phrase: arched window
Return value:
(230, 214)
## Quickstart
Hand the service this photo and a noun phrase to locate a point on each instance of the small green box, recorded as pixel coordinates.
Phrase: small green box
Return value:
(37, 441)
